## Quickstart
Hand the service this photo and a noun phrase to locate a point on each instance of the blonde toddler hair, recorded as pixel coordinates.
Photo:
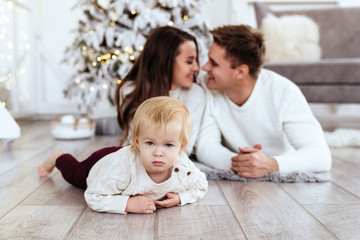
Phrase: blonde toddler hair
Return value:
(162, 112)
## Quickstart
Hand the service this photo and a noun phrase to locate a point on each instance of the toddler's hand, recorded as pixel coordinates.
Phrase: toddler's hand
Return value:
(173, 199)
(140, 204)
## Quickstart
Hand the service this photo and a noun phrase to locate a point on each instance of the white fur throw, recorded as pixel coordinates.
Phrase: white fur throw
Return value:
(343, 137)
(294, 38)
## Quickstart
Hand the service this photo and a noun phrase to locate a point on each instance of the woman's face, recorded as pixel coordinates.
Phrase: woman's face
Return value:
(185, 66)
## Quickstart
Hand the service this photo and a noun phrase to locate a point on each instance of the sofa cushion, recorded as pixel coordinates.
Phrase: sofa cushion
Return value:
(324, 81)
(326, 71)
(339, 28)
(297, 35)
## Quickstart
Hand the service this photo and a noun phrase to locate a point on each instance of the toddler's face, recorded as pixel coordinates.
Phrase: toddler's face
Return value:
(159, 149)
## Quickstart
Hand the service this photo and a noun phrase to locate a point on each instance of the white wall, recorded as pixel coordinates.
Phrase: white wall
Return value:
(54, 20)
(222, 12)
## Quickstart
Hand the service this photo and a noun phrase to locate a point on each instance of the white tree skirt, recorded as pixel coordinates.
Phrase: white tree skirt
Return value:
(71, 127)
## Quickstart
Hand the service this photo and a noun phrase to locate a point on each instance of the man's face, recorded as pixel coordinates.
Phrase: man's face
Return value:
(220, 74)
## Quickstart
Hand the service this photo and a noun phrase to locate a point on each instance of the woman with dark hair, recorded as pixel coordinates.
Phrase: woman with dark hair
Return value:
(167, 66)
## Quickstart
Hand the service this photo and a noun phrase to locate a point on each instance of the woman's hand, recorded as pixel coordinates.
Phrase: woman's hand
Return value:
(140, 204)
(172, 199)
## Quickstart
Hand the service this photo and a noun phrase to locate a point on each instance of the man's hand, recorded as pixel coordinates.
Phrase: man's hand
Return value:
(172, 199)
(251, 162)
(140, 204)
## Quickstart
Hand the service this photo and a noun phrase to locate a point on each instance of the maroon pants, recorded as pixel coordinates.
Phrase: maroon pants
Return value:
(75, 172)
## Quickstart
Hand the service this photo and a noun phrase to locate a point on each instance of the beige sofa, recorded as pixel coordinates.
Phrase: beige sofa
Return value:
(335, 78)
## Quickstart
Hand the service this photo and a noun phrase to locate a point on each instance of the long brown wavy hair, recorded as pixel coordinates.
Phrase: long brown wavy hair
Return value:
(151, 73)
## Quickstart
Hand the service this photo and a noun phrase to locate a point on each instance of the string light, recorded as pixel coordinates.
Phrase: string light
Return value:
(3, 104)
(94, 64)
(171, 23)
(133, 12)
(163, 4)
(118, 81)
(77, 80)
(8, 54)
(92, 89)
(84, 48)
(186, 17)
(104, 86)
(117, 52)
(10, 4)
(112, 23)
(141, 48)
(132, 57)
(10, 45)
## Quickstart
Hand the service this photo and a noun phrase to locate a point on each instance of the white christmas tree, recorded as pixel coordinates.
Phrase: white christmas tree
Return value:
(111, 38)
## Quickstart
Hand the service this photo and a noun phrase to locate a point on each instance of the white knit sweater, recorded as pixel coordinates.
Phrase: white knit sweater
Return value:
(276, 115)
(194, 100)
(119, 175)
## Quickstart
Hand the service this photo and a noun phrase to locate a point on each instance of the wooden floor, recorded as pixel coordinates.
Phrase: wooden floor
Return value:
(48, 208)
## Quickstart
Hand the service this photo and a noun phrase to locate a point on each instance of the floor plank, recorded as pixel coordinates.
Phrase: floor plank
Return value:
(347, 175)
(266, 211)
(319, 193)
(342, 220)
(55, 191)
(94, 225)
(39, 222)
(16, 185)
(214, 196)
(10, 159)
(198, 222)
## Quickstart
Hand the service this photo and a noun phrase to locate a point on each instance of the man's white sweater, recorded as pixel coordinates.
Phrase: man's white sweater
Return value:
(276, 115)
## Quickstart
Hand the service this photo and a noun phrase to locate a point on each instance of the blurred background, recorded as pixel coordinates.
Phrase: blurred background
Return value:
(57, 57)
